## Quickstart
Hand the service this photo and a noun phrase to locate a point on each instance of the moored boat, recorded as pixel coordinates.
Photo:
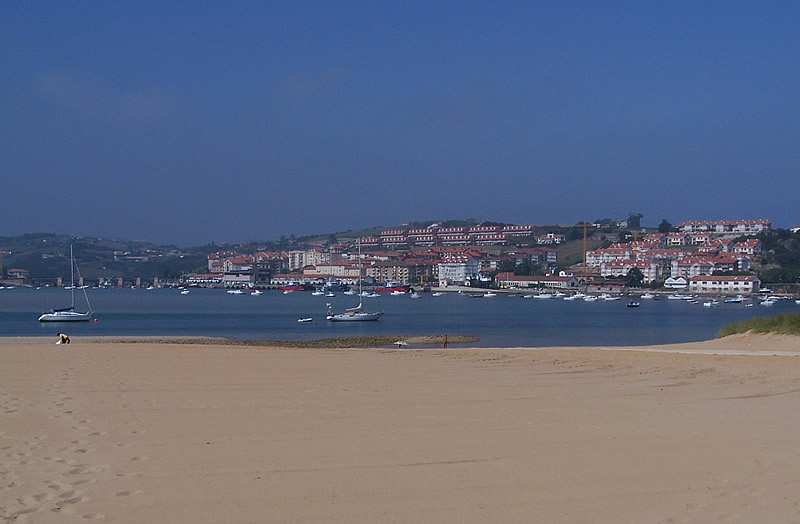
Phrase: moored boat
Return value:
(391, 286)
(355, 314)
(68, 314)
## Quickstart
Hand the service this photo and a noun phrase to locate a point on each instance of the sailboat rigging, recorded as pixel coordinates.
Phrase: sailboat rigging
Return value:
(355, 314)
(69, 314)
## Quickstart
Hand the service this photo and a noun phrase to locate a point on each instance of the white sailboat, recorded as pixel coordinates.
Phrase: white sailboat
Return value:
(355, 314)
(69, 314)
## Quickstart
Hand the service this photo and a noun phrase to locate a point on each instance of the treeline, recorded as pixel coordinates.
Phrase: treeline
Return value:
(780, 257)
(46, 256)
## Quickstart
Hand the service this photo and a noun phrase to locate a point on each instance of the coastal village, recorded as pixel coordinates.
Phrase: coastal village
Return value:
(708, 256)
(698, 256)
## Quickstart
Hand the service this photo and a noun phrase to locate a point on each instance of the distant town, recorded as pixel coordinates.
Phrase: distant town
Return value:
(710, 256)
(701, 256)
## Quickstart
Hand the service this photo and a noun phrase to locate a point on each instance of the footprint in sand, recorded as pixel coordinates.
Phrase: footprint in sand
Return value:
(83, 481)
(83, 470)
(44, 496)
(21, 513)
(695, 506)
(73, 500)
(129, 493)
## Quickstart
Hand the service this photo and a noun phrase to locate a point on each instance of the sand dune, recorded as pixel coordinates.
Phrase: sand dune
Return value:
(145, 432)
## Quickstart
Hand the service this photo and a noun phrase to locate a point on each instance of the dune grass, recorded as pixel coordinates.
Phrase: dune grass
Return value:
(783, 324)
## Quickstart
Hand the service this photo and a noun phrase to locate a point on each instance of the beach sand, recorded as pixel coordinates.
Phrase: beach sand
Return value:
(153, 432)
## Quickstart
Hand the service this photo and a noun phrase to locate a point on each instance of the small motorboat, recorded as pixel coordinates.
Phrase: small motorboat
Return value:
(305, 319)
(633, 303)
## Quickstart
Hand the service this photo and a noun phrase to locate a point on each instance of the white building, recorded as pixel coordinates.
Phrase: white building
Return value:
(620, 268)
(725, 285)
(676, 283)
(299, 258)
(457, 268)
(741, 227)
(597, 257)
(341, 270)
(511, 281)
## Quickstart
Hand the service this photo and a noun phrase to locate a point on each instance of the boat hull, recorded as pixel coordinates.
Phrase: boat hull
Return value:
(354, 317)
(65, 316)
(400, 289)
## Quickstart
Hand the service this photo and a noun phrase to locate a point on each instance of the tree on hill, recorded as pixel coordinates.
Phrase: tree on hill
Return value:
(635, 220)
(634, 278)
(664, 226)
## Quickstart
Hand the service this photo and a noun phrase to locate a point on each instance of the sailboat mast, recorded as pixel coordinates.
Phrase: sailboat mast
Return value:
(584, 247)
(71, 277)
(360, 291)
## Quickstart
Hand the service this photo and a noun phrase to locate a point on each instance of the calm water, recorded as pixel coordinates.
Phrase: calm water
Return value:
(499, 321)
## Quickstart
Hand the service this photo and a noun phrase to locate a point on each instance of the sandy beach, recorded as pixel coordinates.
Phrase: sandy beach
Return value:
(154, 432)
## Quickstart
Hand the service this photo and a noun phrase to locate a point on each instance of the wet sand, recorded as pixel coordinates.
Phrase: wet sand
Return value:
(154, 432)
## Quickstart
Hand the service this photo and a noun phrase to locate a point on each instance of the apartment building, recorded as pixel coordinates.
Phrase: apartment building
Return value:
(620, 268)
(691, 266)
(740, 227)
(457, 269)
(724, 285)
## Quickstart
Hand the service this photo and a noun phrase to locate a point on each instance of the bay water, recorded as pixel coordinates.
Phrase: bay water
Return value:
(501, 321)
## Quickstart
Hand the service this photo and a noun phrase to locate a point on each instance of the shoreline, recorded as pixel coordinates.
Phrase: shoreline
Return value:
(738, 344)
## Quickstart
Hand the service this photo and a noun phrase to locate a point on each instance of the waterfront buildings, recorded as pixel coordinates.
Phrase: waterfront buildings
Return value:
(451, 255)
(724, 285)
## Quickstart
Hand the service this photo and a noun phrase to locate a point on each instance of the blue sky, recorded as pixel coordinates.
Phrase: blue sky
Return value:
(191, 122)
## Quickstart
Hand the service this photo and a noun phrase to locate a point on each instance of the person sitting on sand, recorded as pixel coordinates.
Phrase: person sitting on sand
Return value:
(62, 339)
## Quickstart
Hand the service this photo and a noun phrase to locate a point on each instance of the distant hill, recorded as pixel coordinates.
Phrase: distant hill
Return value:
(46, 256)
